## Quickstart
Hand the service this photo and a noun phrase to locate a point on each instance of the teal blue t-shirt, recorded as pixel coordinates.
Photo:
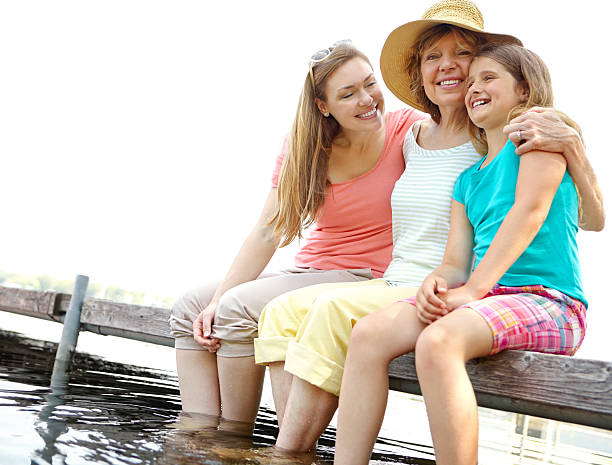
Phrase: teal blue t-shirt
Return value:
(552, 257)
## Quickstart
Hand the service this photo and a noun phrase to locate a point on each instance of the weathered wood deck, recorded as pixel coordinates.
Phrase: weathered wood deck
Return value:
(551, 386)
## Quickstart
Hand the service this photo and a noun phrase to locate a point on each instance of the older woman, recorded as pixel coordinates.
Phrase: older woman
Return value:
(304, 334)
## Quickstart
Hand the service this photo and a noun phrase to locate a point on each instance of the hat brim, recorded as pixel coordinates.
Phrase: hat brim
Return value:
(394, 57)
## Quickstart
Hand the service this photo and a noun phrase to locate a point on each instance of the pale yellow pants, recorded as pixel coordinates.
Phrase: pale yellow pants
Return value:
(310, 328)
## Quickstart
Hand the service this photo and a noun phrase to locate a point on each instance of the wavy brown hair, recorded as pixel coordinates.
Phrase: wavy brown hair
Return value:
(465, 38)
(528, 70)
(303, 180)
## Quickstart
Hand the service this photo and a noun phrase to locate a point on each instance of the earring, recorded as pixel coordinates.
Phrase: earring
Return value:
(326, 114)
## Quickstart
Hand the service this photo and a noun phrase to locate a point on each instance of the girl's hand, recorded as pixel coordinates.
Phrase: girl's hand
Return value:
(202, 328)
(460, 296)
(430, 299)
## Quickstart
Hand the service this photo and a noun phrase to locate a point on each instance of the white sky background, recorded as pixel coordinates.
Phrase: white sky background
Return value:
(137, 138)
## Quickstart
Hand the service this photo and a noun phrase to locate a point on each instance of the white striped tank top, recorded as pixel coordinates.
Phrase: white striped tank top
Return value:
(421, 202)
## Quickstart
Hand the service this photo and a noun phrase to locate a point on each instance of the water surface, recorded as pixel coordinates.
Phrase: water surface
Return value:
(112, 413)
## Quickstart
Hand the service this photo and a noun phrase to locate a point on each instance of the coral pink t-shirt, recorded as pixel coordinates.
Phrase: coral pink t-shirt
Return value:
(354, 228)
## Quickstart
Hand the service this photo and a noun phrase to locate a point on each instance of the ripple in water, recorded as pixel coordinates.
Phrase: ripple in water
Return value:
(116, 414)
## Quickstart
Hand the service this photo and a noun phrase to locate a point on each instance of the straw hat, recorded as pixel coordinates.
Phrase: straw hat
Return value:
(394, 56)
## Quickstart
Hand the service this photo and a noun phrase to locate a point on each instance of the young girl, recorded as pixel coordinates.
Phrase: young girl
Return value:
(519, 218)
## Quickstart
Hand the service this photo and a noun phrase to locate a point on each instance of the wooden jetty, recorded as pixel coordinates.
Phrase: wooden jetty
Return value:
(551, 386)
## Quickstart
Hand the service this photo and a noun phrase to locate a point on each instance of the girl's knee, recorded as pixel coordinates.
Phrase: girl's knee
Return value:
(433, 347)
(366, 337)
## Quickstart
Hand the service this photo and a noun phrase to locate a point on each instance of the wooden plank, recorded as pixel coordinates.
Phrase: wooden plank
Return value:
(151, 321)
(551, 386)
(148, 324)
(28, 302)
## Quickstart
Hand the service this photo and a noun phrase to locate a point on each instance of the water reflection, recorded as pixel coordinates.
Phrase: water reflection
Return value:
(49, 428)
(111, 413)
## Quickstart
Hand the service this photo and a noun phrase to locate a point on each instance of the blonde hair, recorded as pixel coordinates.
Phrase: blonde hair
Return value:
(528, 70)
(466, 38)
(303, 180)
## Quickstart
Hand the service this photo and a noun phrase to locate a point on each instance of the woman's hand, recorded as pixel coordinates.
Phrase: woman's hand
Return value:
(430, 303)
(541, 129)
(202, 327)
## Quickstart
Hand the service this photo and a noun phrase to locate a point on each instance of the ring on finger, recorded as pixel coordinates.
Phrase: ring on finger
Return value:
(518, 134)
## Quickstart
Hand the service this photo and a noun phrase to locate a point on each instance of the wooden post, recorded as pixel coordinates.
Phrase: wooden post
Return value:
(70, 334)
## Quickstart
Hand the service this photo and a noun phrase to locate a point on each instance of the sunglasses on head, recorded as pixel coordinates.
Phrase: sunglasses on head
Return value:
(321, 55)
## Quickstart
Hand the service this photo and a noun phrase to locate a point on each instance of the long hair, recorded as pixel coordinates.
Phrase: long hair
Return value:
(303, 180)
(528, 70)
(466, 38)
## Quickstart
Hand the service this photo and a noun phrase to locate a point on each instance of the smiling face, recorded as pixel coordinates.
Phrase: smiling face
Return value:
(353, 97)
(491, 93)
(444, 68)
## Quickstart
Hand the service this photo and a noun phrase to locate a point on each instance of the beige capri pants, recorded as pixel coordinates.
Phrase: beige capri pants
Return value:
(310, 328)
(238, 311)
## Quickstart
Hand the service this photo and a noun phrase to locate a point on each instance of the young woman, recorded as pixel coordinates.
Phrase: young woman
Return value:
(336, 173)
(519, 217)
(304, 334)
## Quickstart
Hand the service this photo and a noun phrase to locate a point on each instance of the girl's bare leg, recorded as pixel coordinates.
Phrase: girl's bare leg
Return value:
(309, 411)
(441, 352)
(198, 381)
(281, 385)
(375, 341)
(241, 382)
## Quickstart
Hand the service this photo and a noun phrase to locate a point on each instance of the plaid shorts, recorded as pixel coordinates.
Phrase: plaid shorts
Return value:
(532, 318)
